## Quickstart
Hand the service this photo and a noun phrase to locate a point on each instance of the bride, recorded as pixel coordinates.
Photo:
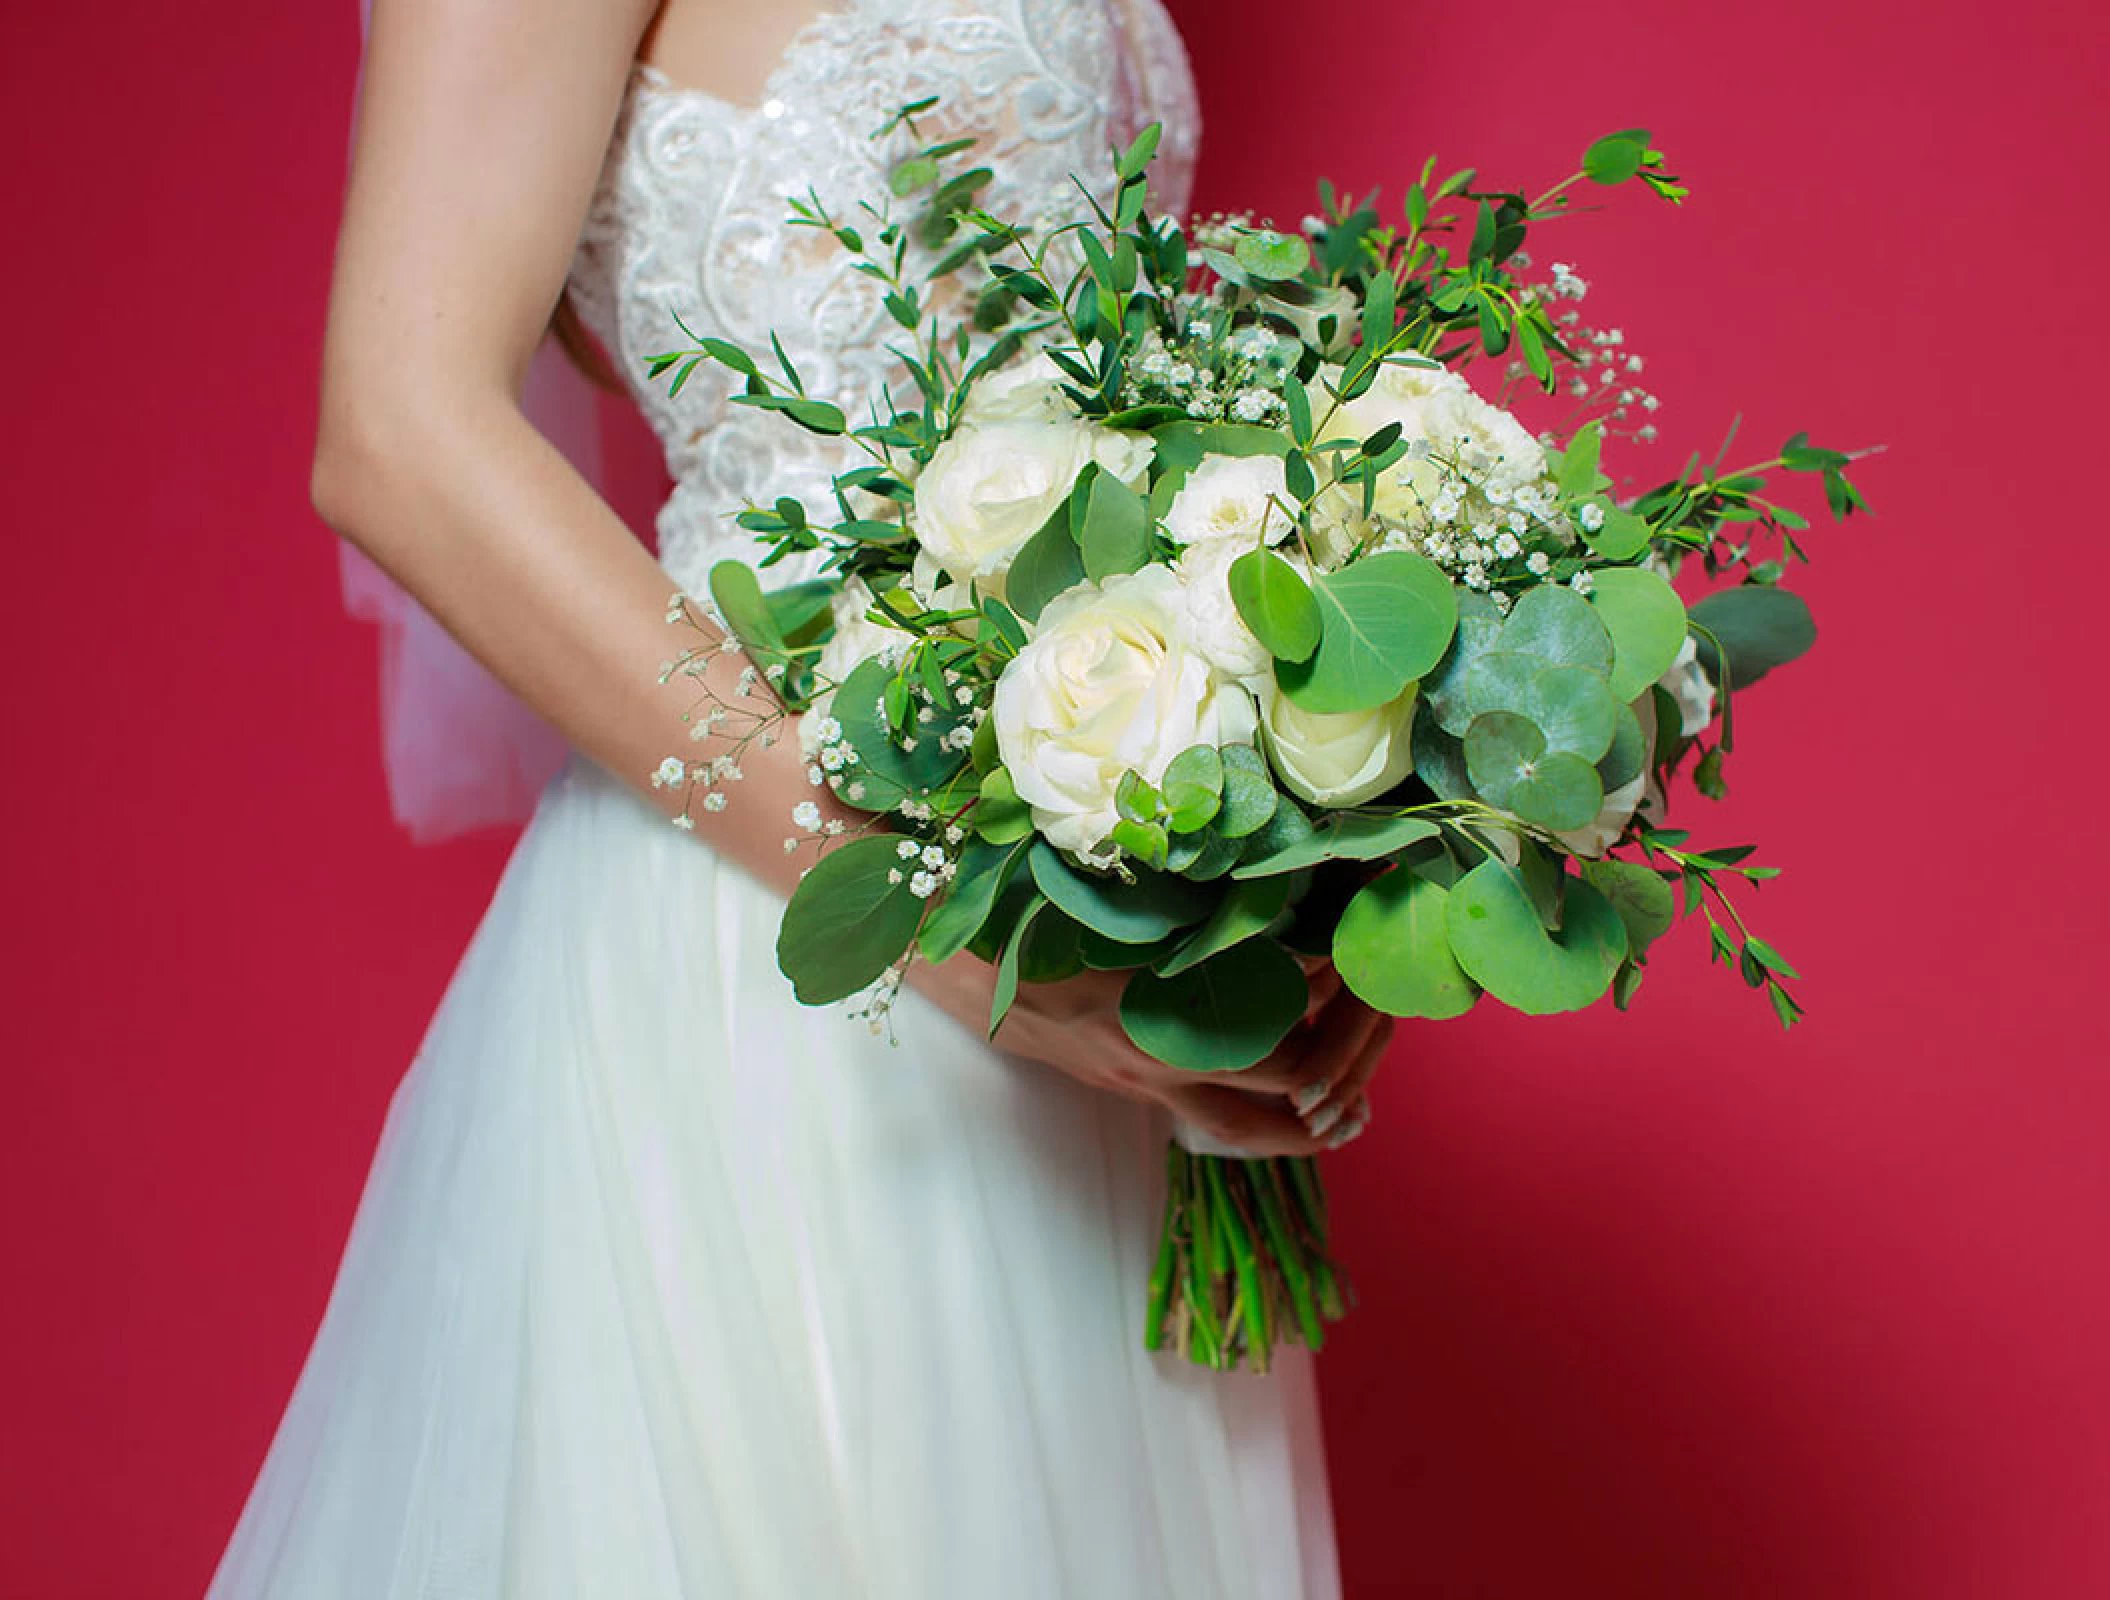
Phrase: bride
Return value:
(662, 1285)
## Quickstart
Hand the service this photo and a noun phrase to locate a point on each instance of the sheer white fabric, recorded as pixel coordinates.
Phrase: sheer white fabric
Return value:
(663, 1287)
(459, 749)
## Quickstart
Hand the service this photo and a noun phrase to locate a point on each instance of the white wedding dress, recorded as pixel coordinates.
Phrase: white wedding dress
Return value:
(662, 1286)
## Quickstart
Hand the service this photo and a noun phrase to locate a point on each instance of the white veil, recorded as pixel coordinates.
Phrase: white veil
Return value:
(461, 750)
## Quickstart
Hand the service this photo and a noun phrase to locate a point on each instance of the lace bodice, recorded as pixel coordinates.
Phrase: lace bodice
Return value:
(689, 215)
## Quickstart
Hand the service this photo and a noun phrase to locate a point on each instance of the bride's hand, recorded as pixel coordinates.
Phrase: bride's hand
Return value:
(1074, 1026)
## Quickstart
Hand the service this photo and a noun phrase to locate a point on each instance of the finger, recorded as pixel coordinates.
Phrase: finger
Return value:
(1259, 1124)
(1327, 1116)
(1325, 983)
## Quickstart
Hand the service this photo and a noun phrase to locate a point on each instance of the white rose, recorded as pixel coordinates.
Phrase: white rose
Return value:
(1112, 681)
(1025, 391)
(1491, 444)
(856, 638)
(1220, 633)
(1596, 836)
(1236, 500)
(987, 490)
(1435, 404)
(1338, 760)
(1688, 684)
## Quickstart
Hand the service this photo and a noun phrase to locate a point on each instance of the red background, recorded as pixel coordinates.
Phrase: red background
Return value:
(1669, 1305)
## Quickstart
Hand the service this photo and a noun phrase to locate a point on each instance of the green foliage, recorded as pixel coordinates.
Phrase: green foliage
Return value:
(1757, 627)
(1393, 949)
(981, 874)
(1111, 524)
(846, 922)
(1501, 943)
(1277, 604)
(866, 705)
(1221, 1015)
(1384, 621)
(1245, 910)
(1249, 794)
(1049, 563)
(1646, 621)
(1345, 836)
(1131, 913)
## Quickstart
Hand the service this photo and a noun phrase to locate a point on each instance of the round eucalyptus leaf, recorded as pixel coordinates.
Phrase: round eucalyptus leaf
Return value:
(850, 918)
(1225, 1014)
(1393, 951)
(1574, 710)
(1497, 937)
(1249, 793)
(1444, 691)
(1501, 749)
(1571, 705)
(1384, 622)
(1646, 620)
(1267, 254)
(1500, 680)
(1276, 603)
(1554, 621)
(1560, 791)
(887, 771)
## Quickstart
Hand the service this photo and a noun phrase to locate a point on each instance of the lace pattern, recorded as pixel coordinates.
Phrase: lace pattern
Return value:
(688, 216)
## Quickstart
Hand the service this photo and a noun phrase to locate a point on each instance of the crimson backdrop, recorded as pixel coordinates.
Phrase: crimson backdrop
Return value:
(1667, 1306)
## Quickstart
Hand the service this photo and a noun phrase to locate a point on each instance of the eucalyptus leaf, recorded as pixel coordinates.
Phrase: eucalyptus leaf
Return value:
(1134, 913)
(1277, 604)
(1639, 894)
(1249, 793)
(1553, 621)
(1760, 627)
(1114, 533)
(846, 922)
(1384, 622)
(887, 771)
(982, 871)
(1392, 949)
(1006, 990)
(1245, 910)
(1443, 691)
(1646, 620)
(1347, 837)
(1222, 1015)
(1497, 937)
(1047, 565)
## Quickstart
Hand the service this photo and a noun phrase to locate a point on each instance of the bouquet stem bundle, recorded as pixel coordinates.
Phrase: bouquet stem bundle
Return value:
(1242, 1263)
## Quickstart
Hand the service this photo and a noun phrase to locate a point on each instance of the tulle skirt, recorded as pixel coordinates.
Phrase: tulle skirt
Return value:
(663, 1286)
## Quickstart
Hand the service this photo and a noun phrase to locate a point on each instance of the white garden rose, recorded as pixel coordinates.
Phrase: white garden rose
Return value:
(1236, 500)
(1421, 400)
(1220, 633)
(1337, 760)
(1458, 430)
(987, 490)
(1111, 682)
(1687, 683)
(856, 638)
(1025, 391)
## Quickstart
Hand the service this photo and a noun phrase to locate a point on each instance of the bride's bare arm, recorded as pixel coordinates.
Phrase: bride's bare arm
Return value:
(482, 130)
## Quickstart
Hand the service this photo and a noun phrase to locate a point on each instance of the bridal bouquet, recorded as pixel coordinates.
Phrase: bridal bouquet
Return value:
(1187, 610)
